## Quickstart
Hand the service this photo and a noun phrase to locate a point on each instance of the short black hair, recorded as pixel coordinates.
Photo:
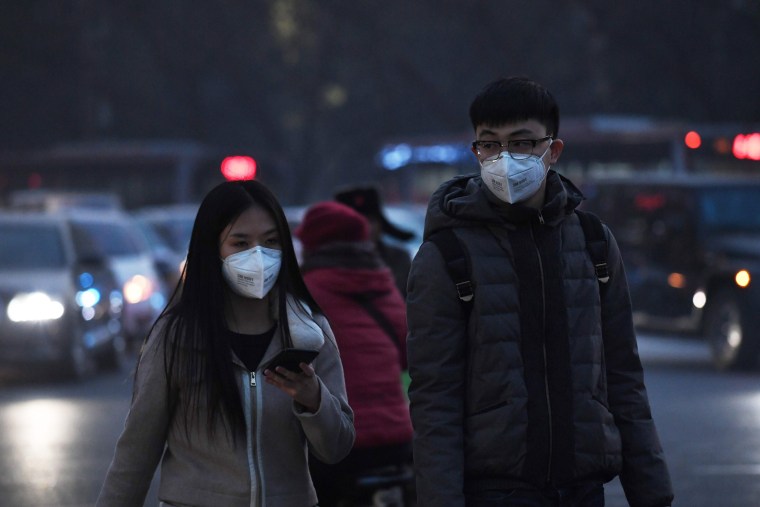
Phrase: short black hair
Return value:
(512, 99)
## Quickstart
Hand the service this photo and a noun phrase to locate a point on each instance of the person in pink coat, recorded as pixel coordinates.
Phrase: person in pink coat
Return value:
(357, 292)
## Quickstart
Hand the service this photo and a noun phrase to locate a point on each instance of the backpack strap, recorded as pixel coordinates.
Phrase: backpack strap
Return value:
(366, 302)
(596, 243)
(457, 262)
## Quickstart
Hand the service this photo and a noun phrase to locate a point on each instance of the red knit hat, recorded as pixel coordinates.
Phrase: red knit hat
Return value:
(329, 221)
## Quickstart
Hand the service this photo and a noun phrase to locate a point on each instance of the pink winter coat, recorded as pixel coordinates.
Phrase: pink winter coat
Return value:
(372, 361)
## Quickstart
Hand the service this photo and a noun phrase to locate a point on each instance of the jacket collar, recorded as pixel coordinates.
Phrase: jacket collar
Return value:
(561, 198)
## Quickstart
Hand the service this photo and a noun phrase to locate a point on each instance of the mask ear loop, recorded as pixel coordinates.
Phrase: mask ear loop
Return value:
(549, 164)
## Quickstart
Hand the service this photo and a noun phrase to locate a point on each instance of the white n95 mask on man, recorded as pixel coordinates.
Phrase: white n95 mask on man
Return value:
(252, 273)
(511, 180)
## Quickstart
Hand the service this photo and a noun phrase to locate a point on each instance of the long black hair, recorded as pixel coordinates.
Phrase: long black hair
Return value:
(197, 351)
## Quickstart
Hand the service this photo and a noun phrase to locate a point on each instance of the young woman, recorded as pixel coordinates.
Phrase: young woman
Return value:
(226, 430)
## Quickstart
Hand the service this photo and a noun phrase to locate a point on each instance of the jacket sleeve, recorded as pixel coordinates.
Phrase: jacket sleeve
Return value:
(436, 348)
(644, 477)
(141, 444)
(330, 430)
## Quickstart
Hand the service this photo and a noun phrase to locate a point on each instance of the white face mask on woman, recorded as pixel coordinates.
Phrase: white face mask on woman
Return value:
(252, 273)
(514, 180)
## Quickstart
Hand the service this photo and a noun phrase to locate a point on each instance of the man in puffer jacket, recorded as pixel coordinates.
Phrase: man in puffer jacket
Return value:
(533, 393)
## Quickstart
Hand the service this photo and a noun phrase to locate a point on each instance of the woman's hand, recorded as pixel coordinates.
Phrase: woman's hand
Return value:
(303, 387)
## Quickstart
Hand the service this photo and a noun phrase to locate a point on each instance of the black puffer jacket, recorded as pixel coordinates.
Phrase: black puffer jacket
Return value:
(542, 386)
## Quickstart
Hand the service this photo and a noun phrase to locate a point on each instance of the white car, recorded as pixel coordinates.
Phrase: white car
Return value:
(173, 223)
(168, 229)
(116, 236)
(60, 311)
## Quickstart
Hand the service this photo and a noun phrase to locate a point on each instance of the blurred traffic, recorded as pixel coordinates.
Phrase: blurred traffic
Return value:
(167, 230)
(691, 247)
(79, 284)
(63, 306)
(82, 280)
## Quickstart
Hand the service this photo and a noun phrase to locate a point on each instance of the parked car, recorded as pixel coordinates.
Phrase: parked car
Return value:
(173, 223)
(52, 201)
(61, 310)
(168, 229)
(169, 263)
(115, 236)
(691, 247)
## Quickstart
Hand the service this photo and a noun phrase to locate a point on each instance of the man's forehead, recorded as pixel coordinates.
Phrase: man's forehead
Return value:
(519, 128)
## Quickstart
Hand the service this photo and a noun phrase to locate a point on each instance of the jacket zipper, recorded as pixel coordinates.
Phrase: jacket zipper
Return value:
(543, 349)
(257, 439)
(251, 397)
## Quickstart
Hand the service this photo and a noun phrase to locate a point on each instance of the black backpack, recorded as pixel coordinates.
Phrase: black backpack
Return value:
(458, 262)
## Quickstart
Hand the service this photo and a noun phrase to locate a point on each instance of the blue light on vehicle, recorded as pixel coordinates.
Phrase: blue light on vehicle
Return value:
(114, 326)
(90, 340)
(439, 153)
(85, 280)
(396, 156)
(88, 298)
(88, 313)
(117, 301)
(399, 155)
(157, 301)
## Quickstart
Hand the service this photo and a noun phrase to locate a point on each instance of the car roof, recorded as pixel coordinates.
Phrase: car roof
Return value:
(96, 215)
(27, 217)
(168, 210)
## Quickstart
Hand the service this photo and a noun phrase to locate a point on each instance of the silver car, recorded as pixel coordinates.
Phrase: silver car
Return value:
(115, 236)
(58, 310)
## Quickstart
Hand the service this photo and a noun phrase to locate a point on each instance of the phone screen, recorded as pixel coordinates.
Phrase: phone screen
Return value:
(291, 358)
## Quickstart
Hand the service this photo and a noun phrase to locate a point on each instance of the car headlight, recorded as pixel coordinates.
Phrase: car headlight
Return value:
(34, 307)
(742, 278)
(138, 288)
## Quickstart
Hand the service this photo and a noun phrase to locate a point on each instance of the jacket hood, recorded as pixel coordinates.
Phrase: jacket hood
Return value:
(350, 281)
(348, 268)
(304, 330)
(465, 199)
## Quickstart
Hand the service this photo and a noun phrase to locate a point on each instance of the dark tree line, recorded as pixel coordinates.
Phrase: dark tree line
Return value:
(313, 88)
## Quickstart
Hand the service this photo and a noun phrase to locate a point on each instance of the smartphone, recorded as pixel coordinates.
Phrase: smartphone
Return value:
(291, 358)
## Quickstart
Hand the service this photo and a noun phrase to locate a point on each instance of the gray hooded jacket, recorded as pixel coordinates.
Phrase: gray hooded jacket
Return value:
(541, 384)
(268, 468)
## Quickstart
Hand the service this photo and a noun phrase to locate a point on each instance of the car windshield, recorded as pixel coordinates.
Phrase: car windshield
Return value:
(111, 239)
(31, 246)
(176, 232)
(731, 209)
